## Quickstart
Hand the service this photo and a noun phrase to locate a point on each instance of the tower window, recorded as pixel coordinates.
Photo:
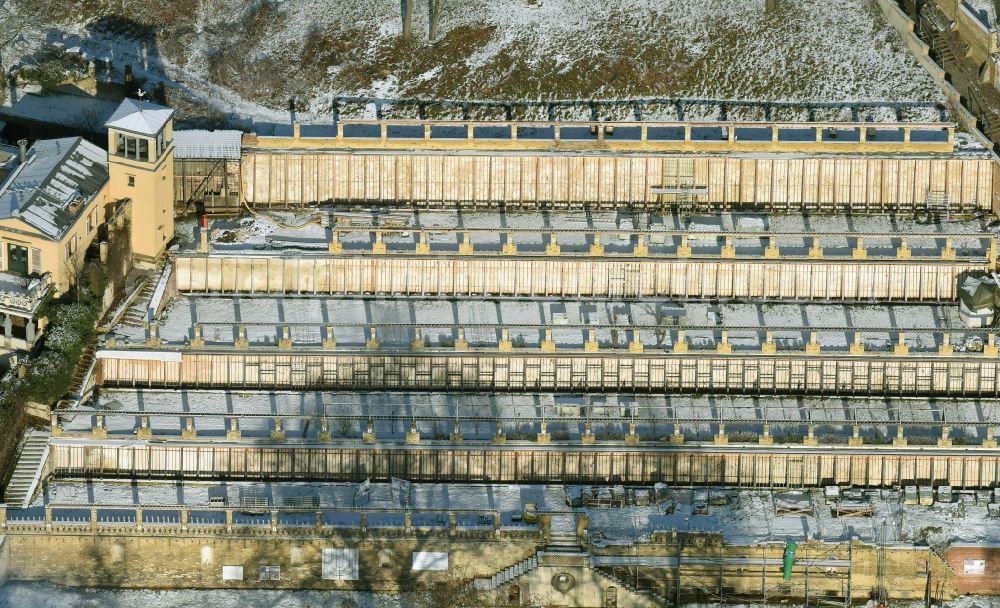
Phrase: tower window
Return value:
(131, 181)
(144, 150)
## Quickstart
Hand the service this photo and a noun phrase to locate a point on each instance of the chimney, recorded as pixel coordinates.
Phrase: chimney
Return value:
(23, 145)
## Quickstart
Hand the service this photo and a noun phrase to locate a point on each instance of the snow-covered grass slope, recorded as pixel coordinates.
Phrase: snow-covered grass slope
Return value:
(267, 51)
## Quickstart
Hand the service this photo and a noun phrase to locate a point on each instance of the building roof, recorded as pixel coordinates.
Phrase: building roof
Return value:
(58, 174)
(139, 117)
(197, 143)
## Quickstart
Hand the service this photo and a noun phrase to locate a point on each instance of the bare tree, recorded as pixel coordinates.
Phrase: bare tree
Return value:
(407, 8)
(434, 17)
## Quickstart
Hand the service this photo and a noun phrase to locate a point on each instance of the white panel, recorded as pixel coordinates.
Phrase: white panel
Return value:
(430, 560)
(232, 573)
(340, 564)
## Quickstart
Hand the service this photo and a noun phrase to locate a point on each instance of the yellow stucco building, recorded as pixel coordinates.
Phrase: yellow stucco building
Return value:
(56, 195)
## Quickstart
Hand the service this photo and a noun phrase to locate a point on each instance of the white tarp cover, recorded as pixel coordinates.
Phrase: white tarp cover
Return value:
(232, 573)
(430, 560)
(340, 564)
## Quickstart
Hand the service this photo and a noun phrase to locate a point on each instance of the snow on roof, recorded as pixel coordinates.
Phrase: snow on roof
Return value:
(197, 143)
(139, 117)
(58, 174)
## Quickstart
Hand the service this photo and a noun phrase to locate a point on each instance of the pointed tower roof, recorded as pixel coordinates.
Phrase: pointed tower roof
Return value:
(139, 117)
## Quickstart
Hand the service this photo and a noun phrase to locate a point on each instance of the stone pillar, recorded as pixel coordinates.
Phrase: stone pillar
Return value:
(948, 253)
(189, 432)
(54, 425)
(816, 251)
(810, 438)
(465, 248)
(138, 519)
(769, 347)
(553, 247)
(724, 347)
(771, 252)
(684, 249)
(813, 348)
(548, 344)
(234, 433)
(423, 245)
(229, 520)
(373, 343)
(99, 431)
(641, 249)
(901, 349)
(945, 441)
(418, 339)
(543, 433)
(903, 252)
(296, 130)
(461, 344)
(369, 435)
(765, 437)
(379, 248)
(588, 435)
(278, 433)
(900, 440)
(636, 346)
(990, 349)
(597, 248)
(185, 518)
(335, 246)
(285, 342)
(681, 344)
(855, 439)
(509, 247)
(93, 519)
(946, 349)
(241, 338)
(858, 346)
(145, 432)
(203, 240)
(29, 331)
(198, 341)
(728, 250)
(632, 438)
(990, 441)
(505, 343)
(408, 521)
(722, 438)
(591, 345)
(456, 432)
(859, 252)
(329, 341)
(154, 335)
(413, 436)
(677, 437)
(499, 437)
(48, 517)
(324, 431)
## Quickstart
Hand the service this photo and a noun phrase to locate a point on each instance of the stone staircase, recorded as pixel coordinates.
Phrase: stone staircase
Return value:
(27, 471)
(136, 315)
(82, 370)
(508, 574)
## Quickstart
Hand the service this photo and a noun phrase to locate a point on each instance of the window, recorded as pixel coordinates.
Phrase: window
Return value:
(120, 144)
(144, 150)
(131, 181)
(69, 250)
(90, 223)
